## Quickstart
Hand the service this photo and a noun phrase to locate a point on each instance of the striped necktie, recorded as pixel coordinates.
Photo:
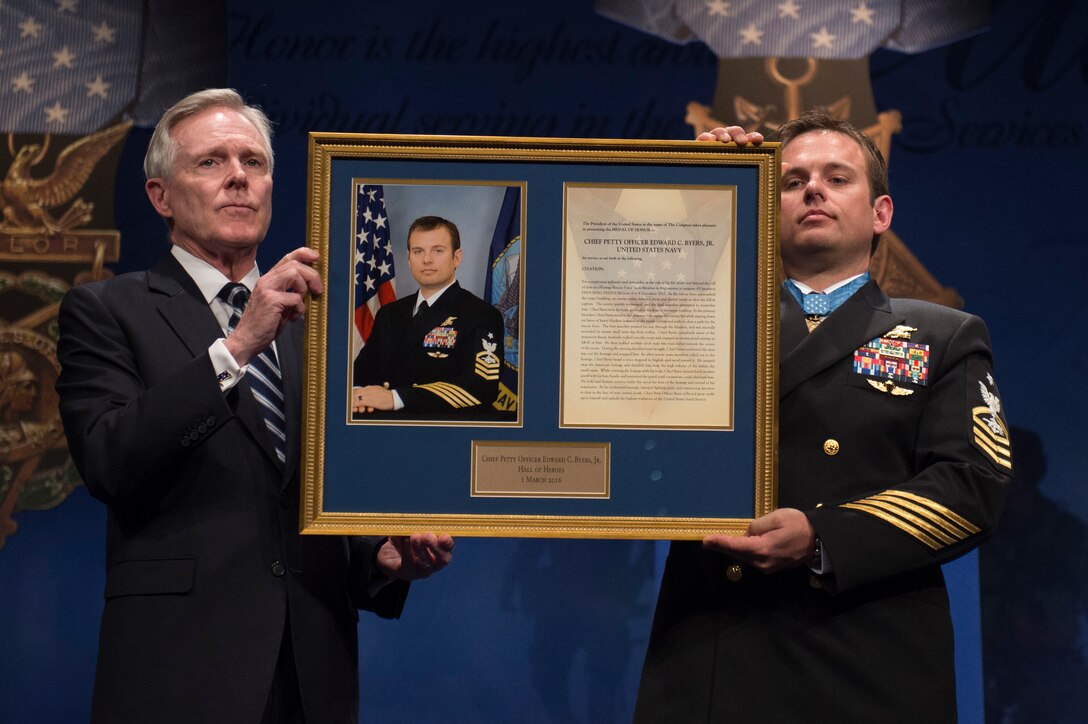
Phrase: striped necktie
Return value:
(264, 373)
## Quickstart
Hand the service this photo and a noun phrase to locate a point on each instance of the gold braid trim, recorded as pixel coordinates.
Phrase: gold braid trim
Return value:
(455, 396)
(937, 508)
(920, 521)
(902, 525)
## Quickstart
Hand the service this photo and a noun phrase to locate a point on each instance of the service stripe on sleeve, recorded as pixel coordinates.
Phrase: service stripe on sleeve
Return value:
(453, 395)
(924, 519)
(901, 524)
(936, 508)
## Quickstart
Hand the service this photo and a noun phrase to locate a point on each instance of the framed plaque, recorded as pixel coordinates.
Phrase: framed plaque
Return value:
(600, 358)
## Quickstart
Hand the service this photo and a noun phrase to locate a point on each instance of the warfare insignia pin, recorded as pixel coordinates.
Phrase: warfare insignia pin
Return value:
(901, 331)
(448, 322)
(890, 388)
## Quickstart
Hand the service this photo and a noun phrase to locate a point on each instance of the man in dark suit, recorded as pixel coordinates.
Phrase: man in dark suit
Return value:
(182, 414)
(437, 353)
(893, 458)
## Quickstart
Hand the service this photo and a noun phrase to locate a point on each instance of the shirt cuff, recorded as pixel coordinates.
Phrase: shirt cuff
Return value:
(227, 370)
(398, 404)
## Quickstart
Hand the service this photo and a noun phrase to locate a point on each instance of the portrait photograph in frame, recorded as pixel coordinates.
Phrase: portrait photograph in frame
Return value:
(638, 305)
(449, 355)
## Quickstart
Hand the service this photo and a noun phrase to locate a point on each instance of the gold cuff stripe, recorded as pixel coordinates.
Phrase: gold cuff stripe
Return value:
(919, 524)
(936, 508)
(902, 525)
(953, 528)
(940, 529)
(455, 396)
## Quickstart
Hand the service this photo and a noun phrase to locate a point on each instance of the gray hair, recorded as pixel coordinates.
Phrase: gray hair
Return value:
(163, 149)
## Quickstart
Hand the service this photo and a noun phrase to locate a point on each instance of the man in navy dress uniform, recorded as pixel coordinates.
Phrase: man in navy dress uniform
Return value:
(437, 353)
(893, 459)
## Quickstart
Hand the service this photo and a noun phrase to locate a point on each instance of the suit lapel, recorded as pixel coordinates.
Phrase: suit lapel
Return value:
(865, 315)
(186, 312)
(791, 321)
(182, 306)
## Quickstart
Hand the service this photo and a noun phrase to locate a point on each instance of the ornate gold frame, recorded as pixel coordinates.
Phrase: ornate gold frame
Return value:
(364, 473)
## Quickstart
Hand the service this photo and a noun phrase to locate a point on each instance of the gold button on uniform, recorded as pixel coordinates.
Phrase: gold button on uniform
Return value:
(831, 447)
(734, 572)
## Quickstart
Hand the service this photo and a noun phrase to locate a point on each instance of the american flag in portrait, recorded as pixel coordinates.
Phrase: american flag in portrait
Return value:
(373, 260)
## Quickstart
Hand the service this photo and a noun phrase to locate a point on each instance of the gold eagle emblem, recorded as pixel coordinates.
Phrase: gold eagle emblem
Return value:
(26, 200)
